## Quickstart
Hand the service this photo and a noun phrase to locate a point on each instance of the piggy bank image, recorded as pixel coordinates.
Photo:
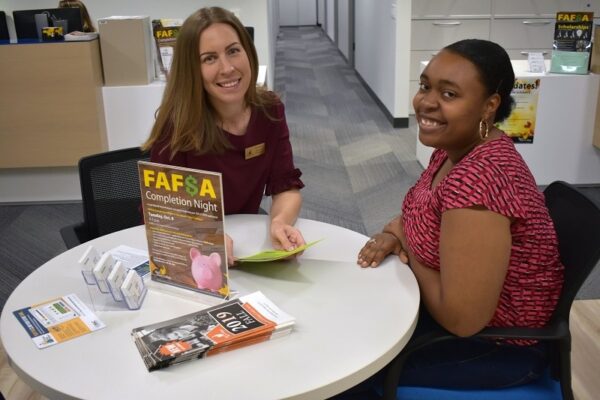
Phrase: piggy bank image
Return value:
(206, 270)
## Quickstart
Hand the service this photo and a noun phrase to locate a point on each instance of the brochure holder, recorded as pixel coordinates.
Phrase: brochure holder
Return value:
(106, 301)
(115, 279)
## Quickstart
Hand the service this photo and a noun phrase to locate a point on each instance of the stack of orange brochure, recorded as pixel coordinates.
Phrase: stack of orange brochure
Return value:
(235, 323)
(273, 255)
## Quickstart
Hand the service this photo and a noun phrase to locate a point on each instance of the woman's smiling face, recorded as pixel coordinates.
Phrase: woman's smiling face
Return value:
(450, 103)
(224, 64)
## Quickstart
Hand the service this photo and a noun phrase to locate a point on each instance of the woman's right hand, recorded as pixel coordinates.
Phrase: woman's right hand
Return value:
(378, 248)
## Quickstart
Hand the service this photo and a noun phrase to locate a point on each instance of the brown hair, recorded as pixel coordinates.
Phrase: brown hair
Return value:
(185, 111)
(86, 21)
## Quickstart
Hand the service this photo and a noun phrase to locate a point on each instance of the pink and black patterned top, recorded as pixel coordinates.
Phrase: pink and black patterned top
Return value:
(495, 176)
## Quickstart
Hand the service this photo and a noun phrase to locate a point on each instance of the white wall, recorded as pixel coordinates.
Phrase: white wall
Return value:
(343, 28)
(288, 12)
(321, 12)
(273, 18)
(382, 51)
(330, 23)
(403, 11)
(307, 12)
(297, 12)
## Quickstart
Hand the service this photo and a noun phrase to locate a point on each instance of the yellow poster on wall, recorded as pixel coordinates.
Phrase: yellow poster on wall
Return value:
(520, 125)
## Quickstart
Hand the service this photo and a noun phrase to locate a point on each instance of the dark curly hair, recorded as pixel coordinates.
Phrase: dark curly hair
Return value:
(494, 68)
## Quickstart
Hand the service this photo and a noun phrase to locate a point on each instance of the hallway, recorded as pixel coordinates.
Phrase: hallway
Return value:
(355, 165)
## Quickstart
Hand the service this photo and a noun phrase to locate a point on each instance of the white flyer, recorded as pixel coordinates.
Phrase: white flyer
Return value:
(58, 320)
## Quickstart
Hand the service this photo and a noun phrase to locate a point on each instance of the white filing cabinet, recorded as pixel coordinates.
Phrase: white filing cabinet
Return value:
(430, 35)
(437, 23)
(450, 8)
(520, 36)
(536, 8)
(520, 26)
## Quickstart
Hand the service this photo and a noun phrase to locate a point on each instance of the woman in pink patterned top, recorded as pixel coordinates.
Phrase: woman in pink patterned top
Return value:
(474, 228)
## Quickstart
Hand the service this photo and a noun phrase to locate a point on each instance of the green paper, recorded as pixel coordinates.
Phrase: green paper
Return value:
(569, 62)
(272, 255)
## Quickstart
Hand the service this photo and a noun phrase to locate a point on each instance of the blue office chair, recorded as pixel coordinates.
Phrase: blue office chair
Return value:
(577, 222)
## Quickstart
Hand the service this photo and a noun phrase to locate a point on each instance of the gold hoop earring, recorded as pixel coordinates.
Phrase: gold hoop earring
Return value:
(486, 132)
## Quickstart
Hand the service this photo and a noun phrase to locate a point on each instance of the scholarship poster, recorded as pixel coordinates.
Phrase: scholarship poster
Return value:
(520, 125)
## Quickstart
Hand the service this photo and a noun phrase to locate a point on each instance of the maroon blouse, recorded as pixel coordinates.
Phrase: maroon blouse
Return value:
(245, 180)
(495, 176)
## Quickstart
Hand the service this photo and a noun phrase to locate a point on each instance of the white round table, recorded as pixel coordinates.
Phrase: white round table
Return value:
(350, 322)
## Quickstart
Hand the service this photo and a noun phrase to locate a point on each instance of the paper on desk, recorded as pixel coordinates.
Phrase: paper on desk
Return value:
(58, 320)
(272, 255)
(79, 36)
(132, 258)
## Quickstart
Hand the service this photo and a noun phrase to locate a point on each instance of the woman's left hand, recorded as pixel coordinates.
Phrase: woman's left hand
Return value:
(285, 237)
(378, 248)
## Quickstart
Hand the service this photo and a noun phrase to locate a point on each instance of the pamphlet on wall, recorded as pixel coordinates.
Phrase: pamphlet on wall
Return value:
(58, 320)
(183, 215)
(572, 44)
(165, 33)
(236, 323)
(520, 124)
(536, 62)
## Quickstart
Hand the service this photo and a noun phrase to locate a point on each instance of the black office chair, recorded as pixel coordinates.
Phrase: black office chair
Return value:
(3, 27)
(110, 191)
(577, 221)
(250, 30)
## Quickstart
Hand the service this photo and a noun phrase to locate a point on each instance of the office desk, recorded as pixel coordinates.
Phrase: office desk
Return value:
(51, 109)
(350, 322)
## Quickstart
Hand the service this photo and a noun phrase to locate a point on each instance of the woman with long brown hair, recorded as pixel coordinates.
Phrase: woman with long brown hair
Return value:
(214, 117)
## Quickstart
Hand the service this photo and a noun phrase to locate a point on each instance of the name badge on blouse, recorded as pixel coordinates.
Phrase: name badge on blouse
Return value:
(255, 151)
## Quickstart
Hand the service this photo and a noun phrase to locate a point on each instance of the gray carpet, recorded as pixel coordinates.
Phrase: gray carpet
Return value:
(29, 236)
(357, 168)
